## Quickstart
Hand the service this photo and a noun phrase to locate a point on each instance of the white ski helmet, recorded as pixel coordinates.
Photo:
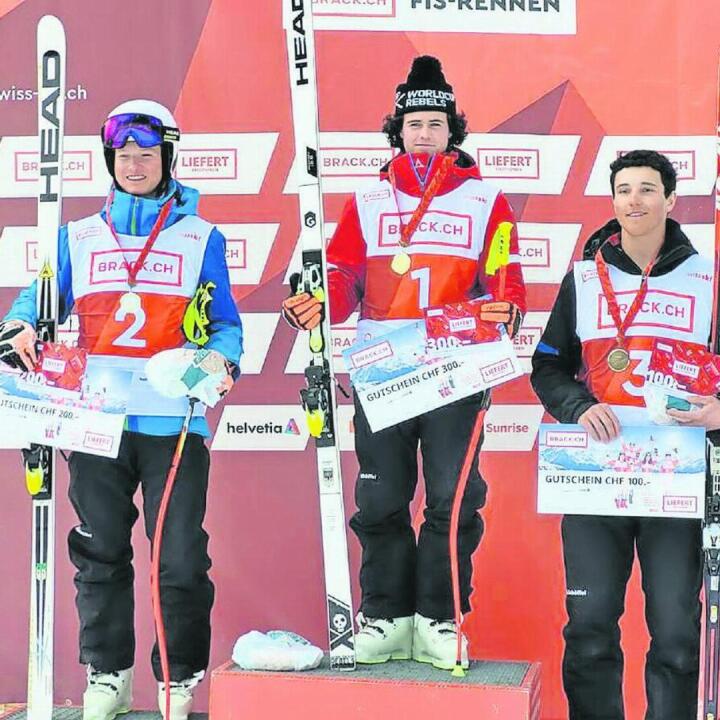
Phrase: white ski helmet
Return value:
(146, 122)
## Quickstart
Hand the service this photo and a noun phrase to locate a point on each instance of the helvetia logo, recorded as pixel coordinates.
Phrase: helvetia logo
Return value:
(268, 428)
(260, 427)
(292, 427)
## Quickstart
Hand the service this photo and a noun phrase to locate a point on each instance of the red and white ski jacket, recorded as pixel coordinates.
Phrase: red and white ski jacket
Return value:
(449, 249)
(570, 371)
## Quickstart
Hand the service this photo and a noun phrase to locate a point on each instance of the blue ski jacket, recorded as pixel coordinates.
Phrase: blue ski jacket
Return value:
(133, 215)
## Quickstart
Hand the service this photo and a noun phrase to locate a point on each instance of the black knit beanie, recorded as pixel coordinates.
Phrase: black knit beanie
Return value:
(425, 89)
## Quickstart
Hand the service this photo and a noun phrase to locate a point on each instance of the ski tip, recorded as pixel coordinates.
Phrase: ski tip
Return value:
(51, 30)
(458, 671)
(49, 21)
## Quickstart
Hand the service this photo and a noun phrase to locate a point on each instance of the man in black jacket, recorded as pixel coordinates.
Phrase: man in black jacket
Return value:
(639, 278)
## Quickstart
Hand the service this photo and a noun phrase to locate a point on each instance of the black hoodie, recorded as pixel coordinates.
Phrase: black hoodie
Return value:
(558, 357)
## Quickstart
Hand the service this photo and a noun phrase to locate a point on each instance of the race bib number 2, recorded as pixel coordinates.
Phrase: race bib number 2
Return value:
(130, 307)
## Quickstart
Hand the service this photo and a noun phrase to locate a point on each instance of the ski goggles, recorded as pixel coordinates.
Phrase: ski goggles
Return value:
(145, 130)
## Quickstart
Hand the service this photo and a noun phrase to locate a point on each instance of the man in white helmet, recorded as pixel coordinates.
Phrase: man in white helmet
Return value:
(144, 275)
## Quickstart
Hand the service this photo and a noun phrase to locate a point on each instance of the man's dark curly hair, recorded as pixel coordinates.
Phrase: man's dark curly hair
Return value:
(392, 125)
(646, 158)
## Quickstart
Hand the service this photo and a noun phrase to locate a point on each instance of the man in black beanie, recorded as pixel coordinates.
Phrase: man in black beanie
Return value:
(427, 233)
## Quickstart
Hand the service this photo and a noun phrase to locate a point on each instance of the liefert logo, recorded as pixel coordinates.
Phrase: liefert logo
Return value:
(523, 163)
(509, 162)
(207, 164)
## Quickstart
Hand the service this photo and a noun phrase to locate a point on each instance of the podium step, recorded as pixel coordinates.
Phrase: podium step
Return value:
(398, 689)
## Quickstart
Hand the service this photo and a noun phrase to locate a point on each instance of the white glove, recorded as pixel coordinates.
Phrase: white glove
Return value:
(276, 650)
(201, 374)
(656, 402)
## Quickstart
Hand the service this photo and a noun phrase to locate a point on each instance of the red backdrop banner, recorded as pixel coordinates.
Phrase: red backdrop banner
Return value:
(553, 90)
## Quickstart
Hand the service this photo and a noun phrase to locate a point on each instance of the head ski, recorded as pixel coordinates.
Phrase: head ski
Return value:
(318, 397)
(40, 460)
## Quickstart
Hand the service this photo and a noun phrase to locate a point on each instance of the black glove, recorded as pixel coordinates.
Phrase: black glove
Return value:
(15, 350)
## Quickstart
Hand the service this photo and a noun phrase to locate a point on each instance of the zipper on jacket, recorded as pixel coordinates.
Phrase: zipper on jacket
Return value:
(133, 216)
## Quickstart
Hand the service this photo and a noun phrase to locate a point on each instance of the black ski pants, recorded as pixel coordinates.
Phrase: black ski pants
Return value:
(101, 491)
(599, 554)
(400, 576)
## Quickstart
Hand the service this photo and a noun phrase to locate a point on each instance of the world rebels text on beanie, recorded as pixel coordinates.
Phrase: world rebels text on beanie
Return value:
(425, 89)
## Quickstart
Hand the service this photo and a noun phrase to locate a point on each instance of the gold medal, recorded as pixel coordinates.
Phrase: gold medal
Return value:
(618, 359)
(400, 263)
(130, 302)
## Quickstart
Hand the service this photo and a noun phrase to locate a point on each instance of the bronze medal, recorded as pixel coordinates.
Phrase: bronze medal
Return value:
(618, 359)
(400, 263)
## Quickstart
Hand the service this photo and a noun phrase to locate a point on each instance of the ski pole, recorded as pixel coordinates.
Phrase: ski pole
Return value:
(454, 529)
(156, 547)
(457, 502)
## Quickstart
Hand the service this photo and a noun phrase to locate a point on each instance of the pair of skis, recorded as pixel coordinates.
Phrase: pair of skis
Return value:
(318, 397)
(40, 459)
(711, 527)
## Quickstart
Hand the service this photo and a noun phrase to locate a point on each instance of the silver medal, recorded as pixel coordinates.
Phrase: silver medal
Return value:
(130, 302)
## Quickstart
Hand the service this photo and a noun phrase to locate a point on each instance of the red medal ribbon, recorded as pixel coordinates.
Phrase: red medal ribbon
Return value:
(134, 268)
(622, 325)
(407, 231)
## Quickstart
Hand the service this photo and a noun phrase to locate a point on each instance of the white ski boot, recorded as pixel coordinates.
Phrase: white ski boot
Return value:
(107, 694)
(381, 639)
(435, 642)
(181, 696)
